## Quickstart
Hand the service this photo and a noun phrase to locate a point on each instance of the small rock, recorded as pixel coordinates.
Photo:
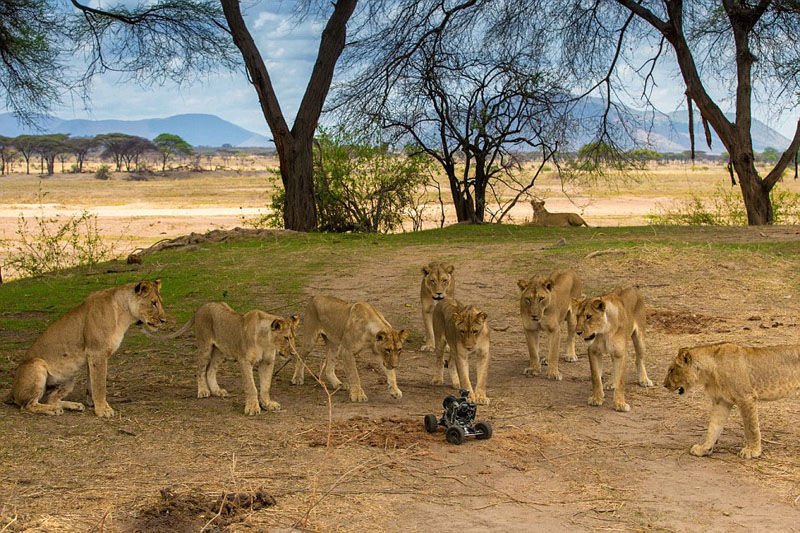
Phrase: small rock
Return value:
(777, 324)
(561, 242)
(754, 318)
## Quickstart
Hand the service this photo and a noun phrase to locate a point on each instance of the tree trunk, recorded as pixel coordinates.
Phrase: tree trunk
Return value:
(297, 174)
(755, 192)
(51, 163)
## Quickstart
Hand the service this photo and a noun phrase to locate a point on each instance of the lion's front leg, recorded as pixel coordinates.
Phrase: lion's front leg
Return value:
(752, 433)
(552, 354)
(98, 365)
(427, 320)
(265, 369)
(534, 365)
(251, 405)
(349, 359)
(483, 377)
(596, 368)
(391, 379)
(719, 415)
(571, 356)
(620, 354)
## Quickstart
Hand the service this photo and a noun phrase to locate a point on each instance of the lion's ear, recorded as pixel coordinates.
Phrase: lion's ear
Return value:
(295, 319)
(276, 324)
(548, 285)
(380, 336)
(449, 269)
(522, 284)
(403, 334)
(426, 270)
(599, 304)
(158, 285)
(481, 317)
(685, 356)
(138, 288)
(576, 303)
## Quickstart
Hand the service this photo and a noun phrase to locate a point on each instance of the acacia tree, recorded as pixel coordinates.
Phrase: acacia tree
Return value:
(169, 145)
(746, 45)
(26, 144)
(80, 148)
(48, 147)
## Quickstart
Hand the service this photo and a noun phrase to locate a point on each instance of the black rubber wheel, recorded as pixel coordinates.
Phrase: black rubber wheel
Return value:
(455, 434)
(484, 430)
(431, 423)
(447, 401)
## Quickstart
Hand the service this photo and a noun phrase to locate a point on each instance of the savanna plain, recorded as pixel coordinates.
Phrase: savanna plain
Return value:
(168, 461)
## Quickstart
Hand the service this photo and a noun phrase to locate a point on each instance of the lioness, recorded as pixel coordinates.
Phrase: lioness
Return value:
(466, 331)
(253, 338)
(606, 323)
(735, 375)
(89, 333)
(349, 328)
(544, 303)
(437, 282)
(542, 217)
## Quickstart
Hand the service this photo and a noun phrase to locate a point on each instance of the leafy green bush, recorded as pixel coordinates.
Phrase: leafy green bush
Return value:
(359, 185)
(726, 208)
(103, 173)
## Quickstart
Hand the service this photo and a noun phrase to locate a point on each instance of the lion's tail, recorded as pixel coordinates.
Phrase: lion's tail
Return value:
(186, 327)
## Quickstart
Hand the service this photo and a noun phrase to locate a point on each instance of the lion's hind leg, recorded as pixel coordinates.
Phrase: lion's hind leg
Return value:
(54, 395)
(204, 350)
(30, 385)
(638, 345)
(211, 373)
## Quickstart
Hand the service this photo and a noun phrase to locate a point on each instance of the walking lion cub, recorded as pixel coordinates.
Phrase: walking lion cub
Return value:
(735, 375)
(438, 282)
(254, 338)
(89, 333)
(606, 323)
(349, 328)
(465, 329)
(544, 302)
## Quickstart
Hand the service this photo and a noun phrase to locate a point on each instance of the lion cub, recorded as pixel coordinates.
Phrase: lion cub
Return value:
(253, 338)
(437, 283)
(735, 375)
(89, 333)
(606, 323)
(466, 331)
(349, 328)
(544, 303)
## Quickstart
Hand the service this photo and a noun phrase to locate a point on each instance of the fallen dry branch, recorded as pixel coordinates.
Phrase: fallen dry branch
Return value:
(610, 251)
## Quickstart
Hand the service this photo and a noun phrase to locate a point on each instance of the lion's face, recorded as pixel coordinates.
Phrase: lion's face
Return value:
(469, 324)
(591, 318)
(538, 205)
(388, 345)
(147, 305)
(438, 277)
(535, 297)
(283, 334)
(681, 374)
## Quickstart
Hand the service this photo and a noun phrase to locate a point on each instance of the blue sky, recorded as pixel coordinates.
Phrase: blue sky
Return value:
(289, 49)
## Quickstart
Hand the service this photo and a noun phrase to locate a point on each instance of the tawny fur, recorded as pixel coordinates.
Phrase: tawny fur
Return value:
(88, 334)
(735, 375)
(542, 217)
(253, 339)
(466, 331)
(438, 282)
(544, 303)
(348, 329)
(606, 323)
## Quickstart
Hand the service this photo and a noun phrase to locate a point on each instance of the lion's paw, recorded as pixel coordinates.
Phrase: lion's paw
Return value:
(480, 399)
(297, 380)
(357, 395)
(530, 371)
(103, 411)
(203, 393)
(595, 401)
(698, 450)
(622, 407)
(396, 394)
(571, 358)
(645, 383)
(554, 375)
(426, 348)
(251, 407)
(270, 405)
(750, 452)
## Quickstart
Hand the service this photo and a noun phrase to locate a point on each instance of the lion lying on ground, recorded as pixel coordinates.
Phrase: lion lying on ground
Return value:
(349, 328)
(466, 331)
(544, 303)
(542, 217)
(253, 338)
(437, 282)
(89, 333)
(606, 323)
(735, 375)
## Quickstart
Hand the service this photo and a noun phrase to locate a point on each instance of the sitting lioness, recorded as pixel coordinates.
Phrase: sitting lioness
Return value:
(253, 338)
(735, 375)
(606, 323)
(544, 303)
(437, 282)
(466, 332)
(349, 328)
(542, 217)
(89, 333)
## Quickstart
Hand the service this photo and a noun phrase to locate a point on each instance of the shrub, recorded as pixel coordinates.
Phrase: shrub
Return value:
(359, 185)
(103, 173)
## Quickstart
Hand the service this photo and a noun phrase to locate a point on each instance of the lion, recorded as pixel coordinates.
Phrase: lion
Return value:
(606, 323)
(466, 331)
(348, 329)
(88, 334)
(735, 375)
(542, 217)
(253, 338)
(545, 302)
(437, 282)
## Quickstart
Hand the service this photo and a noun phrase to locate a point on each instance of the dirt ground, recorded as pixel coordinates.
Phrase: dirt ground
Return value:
(170, 462)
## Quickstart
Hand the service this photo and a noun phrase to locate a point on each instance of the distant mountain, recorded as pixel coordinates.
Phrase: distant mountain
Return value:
(196, 128)
(661, 132)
